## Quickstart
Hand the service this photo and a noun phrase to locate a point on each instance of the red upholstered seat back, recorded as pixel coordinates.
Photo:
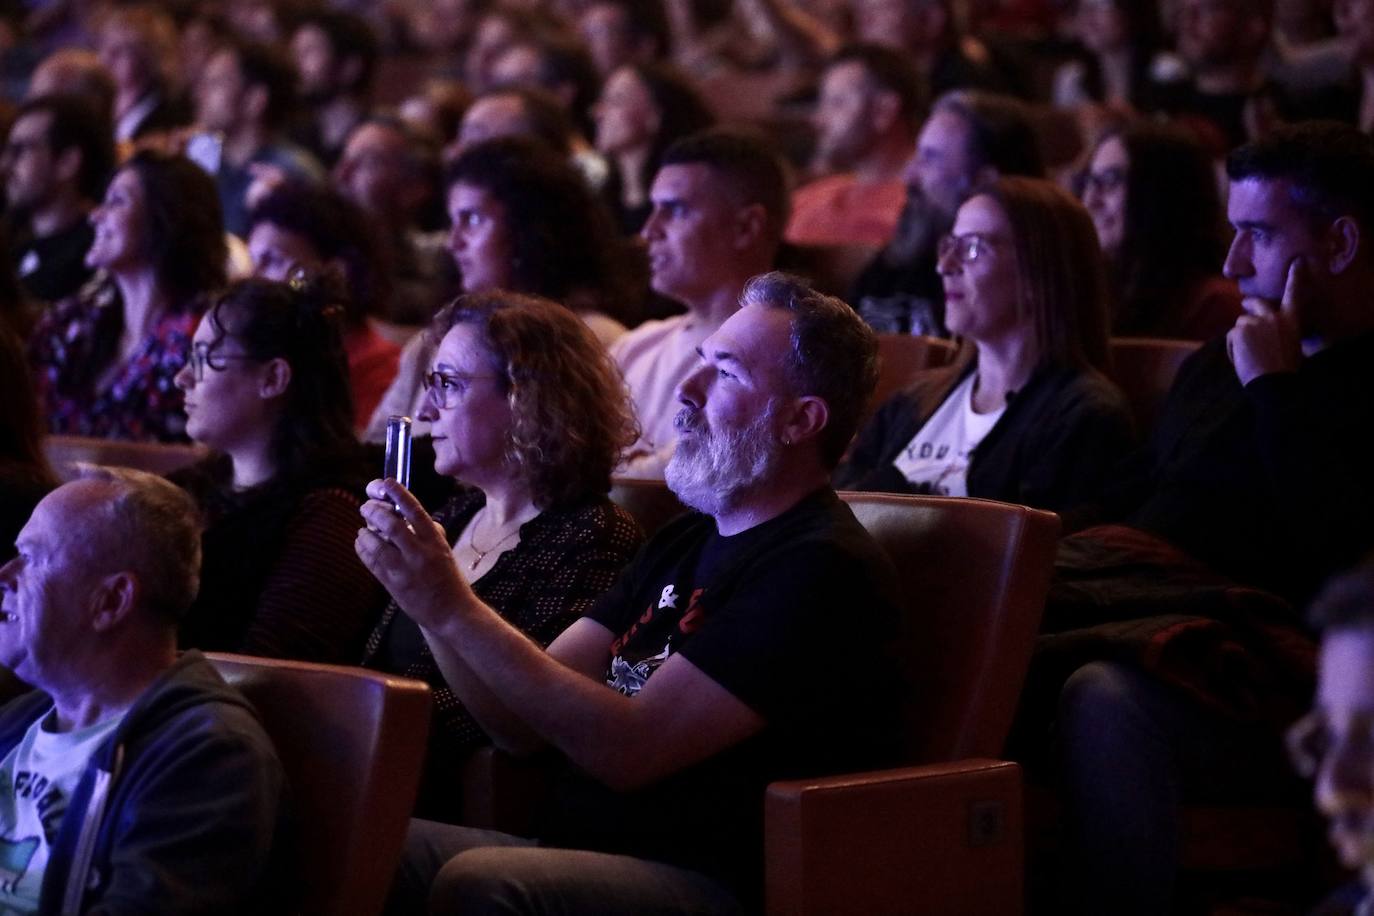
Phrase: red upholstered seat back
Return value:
(352, 744)
(973, 576)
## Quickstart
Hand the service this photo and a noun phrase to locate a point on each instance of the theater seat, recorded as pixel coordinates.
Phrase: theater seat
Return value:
(903, 355)
(352, 743)
(66, 452)
(943, 836)
(1144, 369)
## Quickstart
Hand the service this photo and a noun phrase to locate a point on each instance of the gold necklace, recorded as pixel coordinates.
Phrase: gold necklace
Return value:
(482, 554)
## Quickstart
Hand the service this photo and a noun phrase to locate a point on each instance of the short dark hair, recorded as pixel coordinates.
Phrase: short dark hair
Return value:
(891, 70)
(349, 36)
(571, 417)
(748, 164)
(563, 236)
(834, 353)
(300, 322)
(267, 66)
(73, 123)
(185, 224)
(1001, 131)
(1329, 167)
(338, 230)
(1347, 601)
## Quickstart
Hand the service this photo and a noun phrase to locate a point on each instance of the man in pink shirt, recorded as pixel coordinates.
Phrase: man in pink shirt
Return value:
(865, 122)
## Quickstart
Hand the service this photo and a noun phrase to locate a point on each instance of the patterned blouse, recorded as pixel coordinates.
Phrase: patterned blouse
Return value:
(70, 350)
(565, 559)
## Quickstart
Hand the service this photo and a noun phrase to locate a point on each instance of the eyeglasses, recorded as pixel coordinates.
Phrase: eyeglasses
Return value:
(965, 248)
(446, 389)
(1311, 740)
(200, 356)
(1105, 181)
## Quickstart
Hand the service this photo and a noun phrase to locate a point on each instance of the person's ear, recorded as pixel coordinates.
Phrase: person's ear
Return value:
(113, 598)
(805, 419)
(1342, 244)
(751, 222)
(276, 378)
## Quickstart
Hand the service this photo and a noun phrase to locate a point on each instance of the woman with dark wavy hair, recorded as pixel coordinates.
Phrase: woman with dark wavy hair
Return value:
(104, 359)
(524, 220)
(266, 385)
(530, 416)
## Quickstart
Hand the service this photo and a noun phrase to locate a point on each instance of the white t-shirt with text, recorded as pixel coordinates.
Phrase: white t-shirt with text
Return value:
(37, 780)
(936, 461)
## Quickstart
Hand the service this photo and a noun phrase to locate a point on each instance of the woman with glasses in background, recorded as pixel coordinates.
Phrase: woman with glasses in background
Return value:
(1024, 413)
(266, 386)
(530, 416)
(1151, 191)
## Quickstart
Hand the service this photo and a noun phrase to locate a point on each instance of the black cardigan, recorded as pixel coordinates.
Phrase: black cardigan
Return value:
(1053, 447)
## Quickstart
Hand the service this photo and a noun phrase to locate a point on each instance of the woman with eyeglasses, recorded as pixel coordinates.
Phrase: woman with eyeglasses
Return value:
(266, 385)
(1152, 193)
(1024, 413)
(104, 359)
(530, 416)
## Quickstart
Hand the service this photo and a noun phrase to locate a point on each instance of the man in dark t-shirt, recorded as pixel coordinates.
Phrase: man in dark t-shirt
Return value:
(744, 644)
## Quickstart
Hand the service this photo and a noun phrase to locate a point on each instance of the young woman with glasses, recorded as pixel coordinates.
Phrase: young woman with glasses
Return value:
(266, 388)
(1023, 414)
(529, 415)
(1151, 190)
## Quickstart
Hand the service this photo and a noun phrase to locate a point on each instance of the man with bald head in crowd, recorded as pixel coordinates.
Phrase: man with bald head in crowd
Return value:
(719, 206)
(131, 779)
(969, 138)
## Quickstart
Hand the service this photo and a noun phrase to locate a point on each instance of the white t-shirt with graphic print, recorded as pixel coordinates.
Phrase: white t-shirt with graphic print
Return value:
(937, 459)
(37, 779)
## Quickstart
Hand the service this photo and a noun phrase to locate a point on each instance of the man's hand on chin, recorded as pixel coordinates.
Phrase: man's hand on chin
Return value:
(1268, 339)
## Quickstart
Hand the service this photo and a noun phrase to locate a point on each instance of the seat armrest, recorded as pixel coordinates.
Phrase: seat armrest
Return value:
(937, 839)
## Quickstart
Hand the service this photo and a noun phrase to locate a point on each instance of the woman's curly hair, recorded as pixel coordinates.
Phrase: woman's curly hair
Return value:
(571, 417)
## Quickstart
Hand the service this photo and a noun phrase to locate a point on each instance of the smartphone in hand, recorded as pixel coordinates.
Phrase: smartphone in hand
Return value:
(397, 462)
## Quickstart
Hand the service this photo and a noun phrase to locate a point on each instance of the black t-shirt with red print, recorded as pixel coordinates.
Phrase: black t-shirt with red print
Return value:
(794, 618)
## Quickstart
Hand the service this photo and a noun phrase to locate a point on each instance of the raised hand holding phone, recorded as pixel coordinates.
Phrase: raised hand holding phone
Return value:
(1268, 337)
